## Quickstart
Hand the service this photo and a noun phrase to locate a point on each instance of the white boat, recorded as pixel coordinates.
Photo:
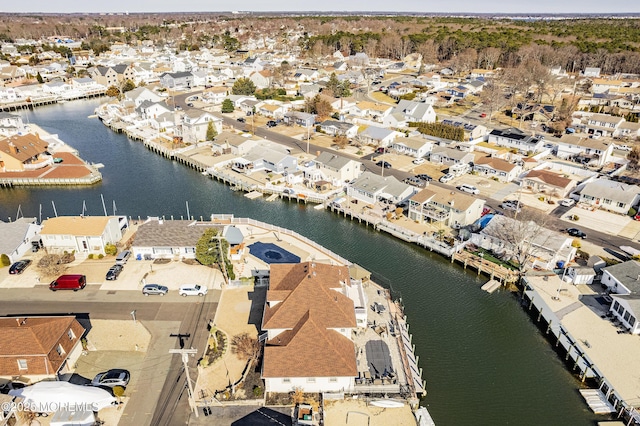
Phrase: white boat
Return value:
(387, 403)
(423, 418)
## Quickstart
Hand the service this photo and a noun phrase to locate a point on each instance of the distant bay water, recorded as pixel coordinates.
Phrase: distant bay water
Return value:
(484, 360)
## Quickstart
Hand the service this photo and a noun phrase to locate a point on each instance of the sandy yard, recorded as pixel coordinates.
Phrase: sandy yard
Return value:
(238, 312)
(108, 335)
(361, 414)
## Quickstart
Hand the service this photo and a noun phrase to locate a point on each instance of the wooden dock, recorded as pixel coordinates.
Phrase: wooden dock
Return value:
(493, 270)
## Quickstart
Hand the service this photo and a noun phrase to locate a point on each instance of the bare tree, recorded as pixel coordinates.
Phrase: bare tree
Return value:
(492, 96)
(245, 346)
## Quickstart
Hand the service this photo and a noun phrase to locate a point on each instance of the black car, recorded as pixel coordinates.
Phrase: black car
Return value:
(19, 266)
(271, 123)
(113, 272)
(240, 119)
(383, 164)
(424, 177)
(575, 232)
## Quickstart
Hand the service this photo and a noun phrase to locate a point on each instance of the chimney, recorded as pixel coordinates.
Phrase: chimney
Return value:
(12, 148)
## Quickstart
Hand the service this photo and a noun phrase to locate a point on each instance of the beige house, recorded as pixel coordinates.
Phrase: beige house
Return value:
(25, 152)
(497, 168)
(437, 204)
(547, 182)
(82, 234)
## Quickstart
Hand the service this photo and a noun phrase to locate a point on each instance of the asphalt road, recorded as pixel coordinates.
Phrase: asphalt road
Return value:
(193, 313)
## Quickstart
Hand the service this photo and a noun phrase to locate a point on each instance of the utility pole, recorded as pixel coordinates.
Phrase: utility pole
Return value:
(185, 360)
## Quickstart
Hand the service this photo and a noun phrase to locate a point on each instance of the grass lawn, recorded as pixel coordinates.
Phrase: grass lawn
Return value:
(381, 97)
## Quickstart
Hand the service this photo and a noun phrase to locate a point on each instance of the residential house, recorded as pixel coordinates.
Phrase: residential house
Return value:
(299, 118)
(377, 136)
(39, 348)
(233, 143)
(23, 152)
(604, 85)
(413, 146)
(584, 149)
(591, 72)
(108, 76)
(177, 80)
(471, 131)
(603, 125)
(195, 124)
(309, 318)
(513, 138)
(261, 79)
(83, 235)
(438, 204)
(337, 128)
(623, 282)
(548, 182)
(142, 94)
(450, 156)
(610, 195)
(17, 236)
(216, 95)
(11, 124)
(168, 239)
(498, 168)
(270, 159)
(305, 75)
(546, 247)
(375, 111)
(272, 110)
(370, 188)
(533, 112)
(629, 130)
(152, 110)
(57, 88)
(410, 112)
(333, 168)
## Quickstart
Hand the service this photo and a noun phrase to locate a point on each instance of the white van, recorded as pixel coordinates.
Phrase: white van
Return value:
(123, 257)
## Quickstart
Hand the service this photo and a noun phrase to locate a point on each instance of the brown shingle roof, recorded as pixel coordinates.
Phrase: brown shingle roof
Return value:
(309, 350)
(496, 163)
(23, 147)
(35, 339)
(75, 225)
(549, 178)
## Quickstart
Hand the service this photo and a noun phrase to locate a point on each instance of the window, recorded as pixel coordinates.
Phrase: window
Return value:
(615, 306)
(333, 379)
(620, 205)
(71, 334)
(286, 380)
(311, 379)
(626, 316)
(22, 364)
(60, 350)
(632, 320)
(620, 309)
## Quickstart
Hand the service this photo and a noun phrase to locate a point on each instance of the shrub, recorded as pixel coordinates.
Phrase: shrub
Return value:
(257, 391)
(118, 391)
(575, 217)
(111, 249)
(632, 212)
(100, 256)
(4, 260)
(576, 243)
(90, 256)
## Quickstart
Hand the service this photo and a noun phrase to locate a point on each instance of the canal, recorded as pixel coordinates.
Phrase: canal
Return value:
(485, 362)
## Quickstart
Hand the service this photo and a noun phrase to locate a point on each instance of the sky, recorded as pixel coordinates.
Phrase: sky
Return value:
(440, 6)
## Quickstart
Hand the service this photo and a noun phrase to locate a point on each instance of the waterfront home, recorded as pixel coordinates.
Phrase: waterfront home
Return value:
(584, 149)
(195, 123)
(378, 136)
(270, 158)
(83, 235)
(370, 188)
(11, 124)
(17, 236)
(497, 168)
(339, 128)
(333, 168)
(23, 152)
(513, 138)
(410, 112)
(309, 321)
(149, 109)
(38, 348)
(140, 95)
(450, 156)
(610, 195)
(623, 282)
(548, 182)
(58, 88)
(413, 146)
(168, 239)
(233, 143)
(108, 76)
(441, 205)
(545, 247)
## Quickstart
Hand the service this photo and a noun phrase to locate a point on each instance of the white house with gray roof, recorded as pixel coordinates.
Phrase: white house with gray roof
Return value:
(11, 124)
(17, 236)
(370, 188)
(610, 195)
(335, 128)
(437, 204)
(513, 138)
(410, 111)
(378, 136)
(413, 146)
(587, 150)
(167, 239)
(195, 123)
(273, 160)
(333, 168)
(450, 156)
(623, 282)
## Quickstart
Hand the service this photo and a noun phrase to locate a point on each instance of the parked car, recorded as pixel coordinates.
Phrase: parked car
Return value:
(190, 105)
(112, 378)
(73, 282)
(419, 160)
(113, 272)
(415, 182)
(446, 178)
(241, 119)
(483, 115)
(192, 290)
(469, 188)
(424, 177)
(123, 257)
(511, 205)
(567, 202)
(19, 266)
(381, 150)
(271, 123)
(154, 289)
(383, 164)
(575, 232)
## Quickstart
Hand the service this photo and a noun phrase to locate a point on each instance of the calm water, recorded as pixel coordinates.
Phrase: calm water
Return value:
(483, 359)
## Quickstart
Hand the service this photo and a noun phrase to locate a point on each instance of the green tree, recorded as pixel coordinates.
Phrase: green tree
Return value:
(110, 249)
(211, 131)
(39, 78)
(243, 86)
(336, 88)
(113, 92)
(227, 105)
(128, 86)
(211, 249)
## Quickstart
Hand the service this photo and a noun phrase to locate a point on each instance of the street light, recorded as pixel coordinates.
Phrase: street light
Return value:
(133, 314)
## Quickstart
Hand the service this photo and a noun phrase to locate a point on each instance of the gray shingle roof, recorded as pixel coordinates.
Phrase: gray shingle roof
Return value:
(627, 273)
(170, 233)
(13, 233)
